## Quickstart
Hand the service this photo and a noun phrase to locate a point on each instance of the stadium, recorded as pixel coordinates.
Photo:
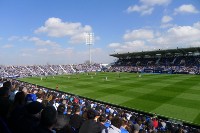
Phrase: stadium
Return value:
(100, 66)
(161, 85)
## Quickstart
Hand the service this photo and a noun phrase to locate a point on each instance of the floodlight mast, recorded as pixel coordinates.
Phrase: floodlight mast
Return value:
(89, 41)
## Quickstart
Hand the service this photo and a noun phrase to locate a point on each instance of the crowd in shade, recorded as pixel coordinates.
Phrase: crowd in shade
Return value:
(28, 108)
(156, 69)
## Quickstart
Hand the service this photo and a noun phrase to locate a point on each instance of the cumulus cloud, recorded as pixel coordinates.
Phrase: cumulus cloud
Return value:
(175, 36)
(130, 46)
(166, 19)
(147, 6)
(55, 27)
(186, 9)
(197, 25)
(181, 36)
(139, 34)
(143, 9)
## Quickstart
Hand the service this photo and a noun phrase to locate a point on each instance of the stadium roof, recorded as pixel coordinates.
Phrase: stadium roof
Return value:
(161, 52)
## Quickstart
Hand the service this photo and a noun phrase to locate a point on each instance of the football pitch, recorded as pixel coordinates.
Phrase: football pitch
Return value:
(173, 96)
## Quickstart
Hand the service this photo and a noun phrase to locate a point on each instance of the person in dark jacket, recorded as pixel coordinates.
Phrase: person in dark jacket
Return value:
(90, 125)
(62, 125)
(47, 121)
(4, 103)
(31, 117)
(76, 120)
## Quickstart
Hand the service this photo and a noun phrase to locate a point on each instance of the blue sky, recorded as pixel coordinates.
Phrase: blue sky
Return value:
(52, 31)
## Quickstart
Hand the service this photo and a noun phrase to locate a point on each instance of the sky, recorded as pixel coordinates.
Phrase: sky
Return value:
(53, 31)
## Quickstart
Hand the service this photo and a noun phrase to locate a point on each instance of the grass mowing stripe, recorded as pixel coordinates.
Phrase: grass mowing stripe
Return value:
(132, 91)
(113, 98)
(189, 96)
(168, 110)
(156, 98)
(182, 102)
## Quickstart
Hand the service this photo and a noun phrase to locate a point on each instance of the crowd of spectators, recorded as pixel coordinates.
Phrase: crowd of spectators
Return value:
(177, 64)
(156, 69)
(28, 108)
(43, 70)
(159, 60)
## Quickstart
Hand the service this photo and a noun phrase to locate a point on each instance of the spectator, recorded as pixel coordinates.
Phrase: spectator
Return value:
(62, 120)
(48, 120)
(7, 84)
(102, 121)
(123, 127)
(90, 125)
(116, 123)
(17, 109)
(31, 117)
(31, 96)
(76, 120)
(4, 103)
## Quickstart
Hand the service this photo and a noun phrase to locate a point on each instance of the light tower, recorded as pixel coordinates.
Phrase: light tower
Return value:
(89, 40)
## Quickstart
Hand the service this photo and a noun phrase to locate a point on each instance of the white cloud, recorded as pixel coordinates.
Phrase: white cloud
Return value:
(143, 9)
(55, 27)
(131, 46)
(176, 36)
(37, 41)
(147, 6)
(184, 33)
(166, 19)
(155, 2)
(197, 25)
(8, 46)
(186, 9)
(18, 38)
(179, 36)
(41, 42)
(139, 34)
(114, 45)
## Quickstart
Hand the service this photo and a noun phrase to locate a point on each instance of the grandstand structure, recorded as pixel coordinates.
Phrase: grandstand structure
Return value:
(179, 60)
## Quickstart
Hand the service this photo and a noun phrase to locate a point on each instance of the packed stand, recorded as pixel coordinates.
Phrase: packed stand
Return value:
(172, 65)
(44, 70)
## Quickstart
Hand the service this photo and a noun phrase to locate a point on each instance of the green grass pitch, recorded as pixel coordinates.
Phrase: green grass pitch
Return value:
(173, 96)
